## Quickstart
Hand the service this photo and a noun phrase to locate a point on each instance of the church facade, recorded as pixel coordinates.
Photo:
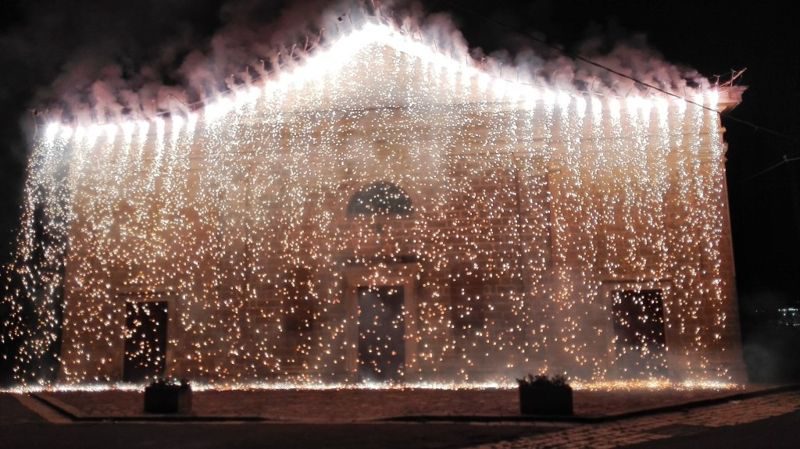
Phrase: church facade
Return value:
(385, 214)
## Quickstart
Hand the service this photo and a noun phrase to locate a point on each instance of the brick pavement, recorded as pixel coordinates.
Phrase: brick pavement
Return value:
(648, 428)
(359, 405)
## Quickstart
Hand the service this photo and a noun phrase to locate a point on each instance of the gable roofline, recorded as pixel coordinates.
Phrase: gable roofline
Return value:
(337, 52)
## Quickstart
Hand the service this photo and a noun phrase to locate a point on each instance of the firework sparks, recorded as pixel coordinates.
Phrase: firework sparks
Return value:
(536, 213)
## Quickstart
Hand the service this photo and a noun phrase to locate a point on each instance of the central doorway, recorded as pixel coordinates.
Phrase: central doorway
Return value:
(381, 333)
(640, 336)
(145, 340)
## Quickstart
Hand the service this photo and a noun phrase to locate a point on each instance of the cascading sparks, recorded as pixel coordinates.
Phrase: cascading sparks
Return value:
(544, 222)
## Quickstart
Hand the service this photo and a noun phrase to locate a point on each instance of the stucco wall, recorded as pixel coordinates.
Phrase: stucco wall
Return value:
(552, 215)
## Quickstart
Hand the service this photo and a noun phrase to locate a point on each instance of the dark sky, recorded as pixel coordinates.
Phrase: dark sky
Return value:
(41, 40)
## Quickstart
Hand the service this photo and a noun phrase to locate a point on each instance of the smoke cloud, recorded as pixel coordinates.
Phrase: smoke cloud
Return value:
(109, 61)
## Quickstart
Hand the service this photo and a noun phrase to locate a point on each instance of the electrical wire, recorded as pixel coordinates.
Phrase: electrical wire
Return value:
(623, 75)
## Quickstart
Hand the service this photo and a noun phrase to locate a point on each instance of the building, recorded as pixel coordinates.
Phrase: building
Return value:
(381, 211)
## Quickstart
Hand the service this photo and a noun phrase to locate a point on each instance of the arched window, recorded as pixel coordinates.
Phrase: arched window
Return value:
(381, 198)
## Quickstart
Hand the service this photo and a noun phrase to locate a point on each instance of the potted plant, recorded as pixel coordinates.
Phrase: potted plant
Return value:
(168, 396)
(543, 395)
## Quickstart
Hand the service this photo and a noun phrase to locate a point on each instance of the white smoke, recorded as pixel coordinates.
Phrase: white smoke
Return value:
(248, 47)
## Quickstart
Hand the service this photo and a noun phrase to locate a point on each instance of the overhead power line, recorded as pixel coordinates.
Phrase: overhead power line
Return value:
(784, 161)
(638, 81)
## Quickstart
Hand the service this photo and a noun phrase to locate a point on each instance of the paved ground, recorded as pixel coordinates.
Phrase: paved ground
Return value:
(693, 427)
(13, 412)
(247, 436)
(769, 421)
(773, 433)
(22, 429)
(359, 405)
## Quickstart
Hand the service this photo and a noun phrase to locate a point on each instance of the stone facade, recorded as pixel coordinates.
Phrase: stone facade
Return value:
(527, 225)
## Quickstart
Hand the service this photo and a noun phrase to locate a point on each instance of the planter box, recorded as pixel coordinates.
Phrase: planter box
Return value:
(167, 398)
(545, 400)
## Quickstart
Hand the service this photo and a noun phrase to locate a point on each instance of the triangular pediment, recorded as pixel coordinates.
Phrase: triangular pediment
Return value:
(377, 66)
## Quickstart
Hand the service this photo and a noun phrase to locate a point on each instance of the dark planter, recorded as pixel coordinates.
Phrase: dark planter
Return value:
(545, 399)
(168, 398)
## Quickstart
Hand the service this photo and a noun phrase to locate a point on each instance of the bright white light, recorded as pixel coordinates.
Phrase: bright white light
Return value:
(564, 100)
(66, 132)
(51, 131)
(111, 132)
(218, 109)
(92, 132)
(144, 128)
(712, 98)
(662, 105)
(646, 106)
(681, 105)
(549, 97)
(80, 133)
(483, 81)
(619, 385)
(633, 104)
(580, 106)
(499, 88)
(597, 107)
(177, 124)
(531, 96)
(247, 97)
(614, 107)
(191, 123)
(128, 127)
(160, 125)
